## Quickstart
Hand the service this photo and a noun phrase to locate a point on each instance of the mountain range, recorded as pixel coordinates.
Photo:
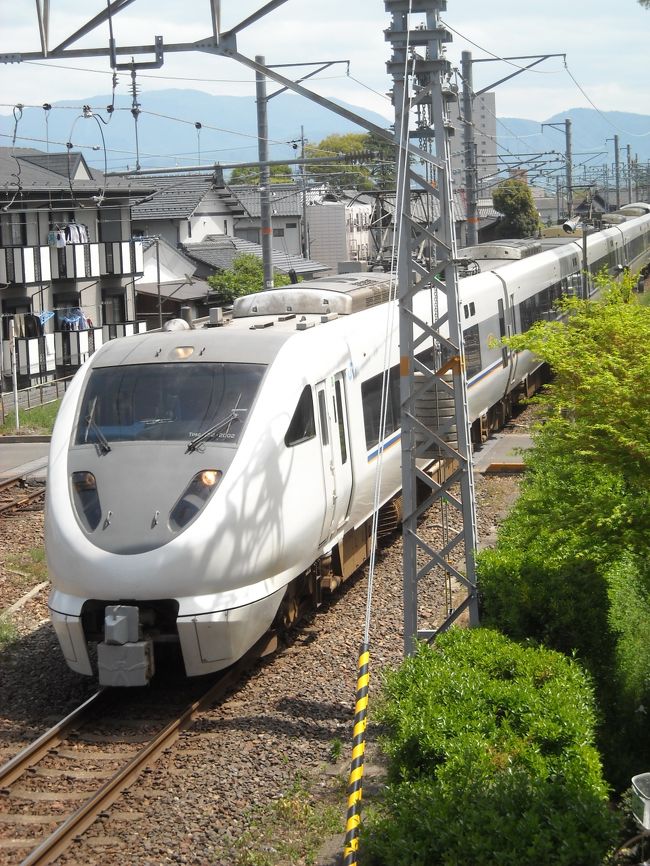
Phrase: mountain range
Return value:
(189, 127)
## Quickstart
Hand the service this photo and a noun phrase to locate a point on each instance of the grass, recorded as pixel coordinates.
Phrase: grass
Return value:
(36, 421)
(8, 633)
(291, 829)
(29, 566)
(336, 750)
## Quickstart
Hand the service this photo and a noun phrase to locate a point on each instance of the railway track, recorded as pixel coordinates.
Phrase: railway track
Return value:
(53, 790)
(17, 494)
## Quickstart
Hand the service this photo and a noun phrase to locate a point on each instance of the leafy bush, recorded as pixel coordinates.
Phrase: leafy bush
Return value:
(628, 584)
(491, 759)
(569, 567)
(244, 277)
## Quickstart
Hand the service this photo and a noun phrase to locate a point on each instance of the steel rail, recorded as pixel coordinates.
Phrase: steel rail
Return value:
(33, 753)
(20, 503)
(86, 814)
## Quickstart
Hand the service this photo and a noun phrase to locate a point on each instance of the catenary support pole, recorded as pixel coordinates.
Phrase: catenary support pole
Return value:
(569, 167)
(471, 176)
(617, 170)
(265, 176)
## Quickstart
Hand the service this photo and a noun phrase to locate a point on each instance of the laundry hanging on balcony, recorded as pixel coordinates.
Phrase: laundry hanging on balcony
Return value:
(68, 233)
(45, 316)
(75, 319)
(27, 326)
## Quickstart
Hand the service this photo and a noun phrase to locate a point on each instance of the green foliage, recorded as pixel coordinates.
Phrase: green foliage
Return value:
(289, 830)
(244, 277)
(491, 759)
(628, 587)
(38, 420)
(514, 200)
(342, 175)
(278, 174)
(597, 411)
(8, 633)
(382, 171)
(336, 750)
(567, 570)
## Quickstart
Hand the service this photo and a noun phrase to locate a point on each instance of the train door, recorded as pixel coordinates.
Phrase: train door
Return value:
(507, 327)
(335, 443)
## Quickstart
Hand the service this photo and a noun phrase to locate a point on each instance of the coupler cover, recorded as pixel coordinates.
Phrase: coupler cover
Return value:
(122, 659)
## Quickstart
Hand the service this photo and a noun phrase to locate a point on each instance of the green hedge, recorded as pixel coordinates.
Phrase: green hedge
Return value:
(491, 759)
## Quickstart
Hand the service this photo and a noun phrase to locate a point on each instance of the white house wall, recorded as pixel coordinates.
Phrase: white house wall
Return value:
(212, 217)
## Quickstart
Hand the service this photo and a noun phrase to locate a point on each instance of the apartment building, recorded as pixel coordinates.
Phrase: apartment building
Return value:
(67, 262)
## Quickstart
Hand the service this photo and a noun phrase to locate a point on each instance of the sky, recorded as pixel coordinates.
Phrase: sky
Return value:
(605, 43)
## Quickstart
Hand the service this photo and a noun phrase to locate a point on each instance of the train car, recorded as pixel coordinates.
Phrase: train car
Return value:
(204, 481)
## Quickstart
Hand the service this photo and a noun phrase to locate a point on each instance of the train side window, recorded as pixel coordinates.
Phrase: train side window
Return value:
(302, 426)
(472, 351)
(371, 401)
(340, 421)
(324, 424)
(502, 318)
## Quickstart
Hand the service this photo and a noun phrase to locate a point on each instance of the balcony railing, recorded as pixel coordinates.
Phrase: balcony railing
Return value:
(28, 265)
(62, 351)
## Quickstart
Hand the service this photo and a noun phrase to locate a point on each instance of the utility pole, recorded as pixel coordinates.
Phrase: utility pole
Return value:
(303, 180)
(471, 175)
(617, 170)
(568, 160)
(160, 317)
(265, 175)
(14, 369)
(629, 174)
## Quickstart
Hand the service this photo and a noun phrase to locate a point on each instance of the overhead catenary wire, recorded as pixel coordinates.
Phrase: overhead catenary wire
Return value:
(358, 750)
(548, 72)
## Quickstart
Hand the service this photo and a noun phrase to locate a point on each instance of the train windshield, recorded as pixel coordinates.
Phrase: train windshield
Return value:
(207, 402)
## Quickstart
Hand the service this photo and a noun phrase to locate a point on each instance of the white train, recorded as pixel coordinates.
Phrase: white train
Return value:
(203, 481)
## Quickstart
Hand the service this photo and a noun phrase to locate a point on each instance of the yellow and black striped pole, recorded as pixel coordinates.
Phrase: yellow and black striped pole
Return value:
(355, 783)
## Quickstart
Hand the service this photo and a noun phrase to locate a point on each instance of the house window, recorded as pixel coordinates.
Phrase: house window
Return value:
(292, 225)
(114, 309)
(14, 230)
(248, 234)
(109, 225)
(279, 233)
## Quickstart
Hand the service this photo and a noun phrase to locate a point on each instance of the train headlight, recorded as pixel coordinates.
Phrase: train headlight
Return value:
(86, 499)
(197, 493)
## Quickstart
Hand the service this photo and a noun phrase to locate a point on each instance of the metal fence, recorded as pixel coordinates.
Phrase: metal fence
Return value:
(35, 395)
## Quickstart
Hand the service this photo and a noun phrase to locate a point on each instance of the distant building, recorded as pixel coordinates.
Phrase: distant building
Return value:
(485, 140)
(68, 261)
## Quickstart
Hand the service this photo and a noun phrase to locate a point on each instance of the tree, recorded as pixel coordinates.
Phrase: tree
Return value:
(251, 174)
(645, 3)
(514, 200)
(342, 175)
(570, 567)
(244, 277)
(383, 170)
